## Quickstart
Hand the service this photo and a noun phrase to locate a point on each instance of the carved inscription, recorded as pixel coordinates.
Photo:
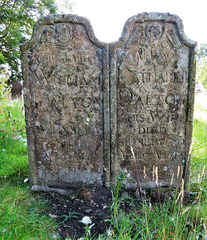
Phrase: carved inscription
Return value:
(94, 108)
(151, 101)
(66, 73)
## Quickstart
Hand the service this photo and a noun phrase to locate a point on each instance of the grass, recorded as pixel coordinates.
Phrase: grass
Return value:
(170, 220)
(199, 153)
(13, 146)
(13, 160)
(23, 215)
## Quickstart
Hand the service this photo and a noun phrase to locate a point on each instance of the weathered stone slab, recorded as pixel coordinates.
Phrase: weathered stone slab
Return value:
(63, 76)
(152, 101)
(94, 108)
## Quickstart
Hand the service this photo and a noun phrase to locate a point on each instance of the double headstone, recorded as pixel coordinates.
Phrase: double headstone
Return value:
(93, 108)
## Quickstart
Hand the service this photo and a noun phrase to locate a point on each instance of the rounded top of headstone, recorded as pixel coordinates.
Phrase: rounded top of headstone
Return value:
(61, 18)
(141, 17)
(156, 16)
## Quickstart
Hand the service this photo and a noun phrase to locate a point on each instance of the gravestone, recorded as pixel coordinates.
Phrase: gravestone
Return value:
(16, 89)
(63, 99)
(153, 94)
(94, 108)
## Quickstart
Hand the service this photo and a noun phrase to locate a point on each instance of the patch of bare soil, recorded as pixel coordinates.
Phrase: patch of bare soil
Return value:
(69, 211)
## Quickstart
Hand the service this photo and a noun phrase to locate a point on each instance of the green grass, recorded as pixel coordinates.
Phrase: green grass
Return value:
(199, 153)
(13, 161)
(13, 146)
(23, 215)
(169, 220)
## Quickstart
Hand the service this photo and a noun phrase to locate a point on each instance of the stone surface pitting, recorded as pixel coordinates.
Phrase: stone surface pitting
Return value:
(94, 108)
(63, 90)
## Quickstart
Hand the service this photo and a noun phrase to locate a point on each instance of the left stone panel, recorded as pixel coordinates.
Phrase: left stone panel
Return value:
(63, 87)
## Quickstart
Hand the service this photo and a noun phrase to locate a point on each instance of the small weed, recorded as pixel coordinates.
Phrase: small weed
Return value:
(121, 178)
(87, 221)
(69, 216)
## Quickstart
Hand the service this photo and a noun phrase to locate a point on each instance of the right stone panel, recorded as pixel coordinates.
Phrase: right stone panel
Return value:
(151, 84)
